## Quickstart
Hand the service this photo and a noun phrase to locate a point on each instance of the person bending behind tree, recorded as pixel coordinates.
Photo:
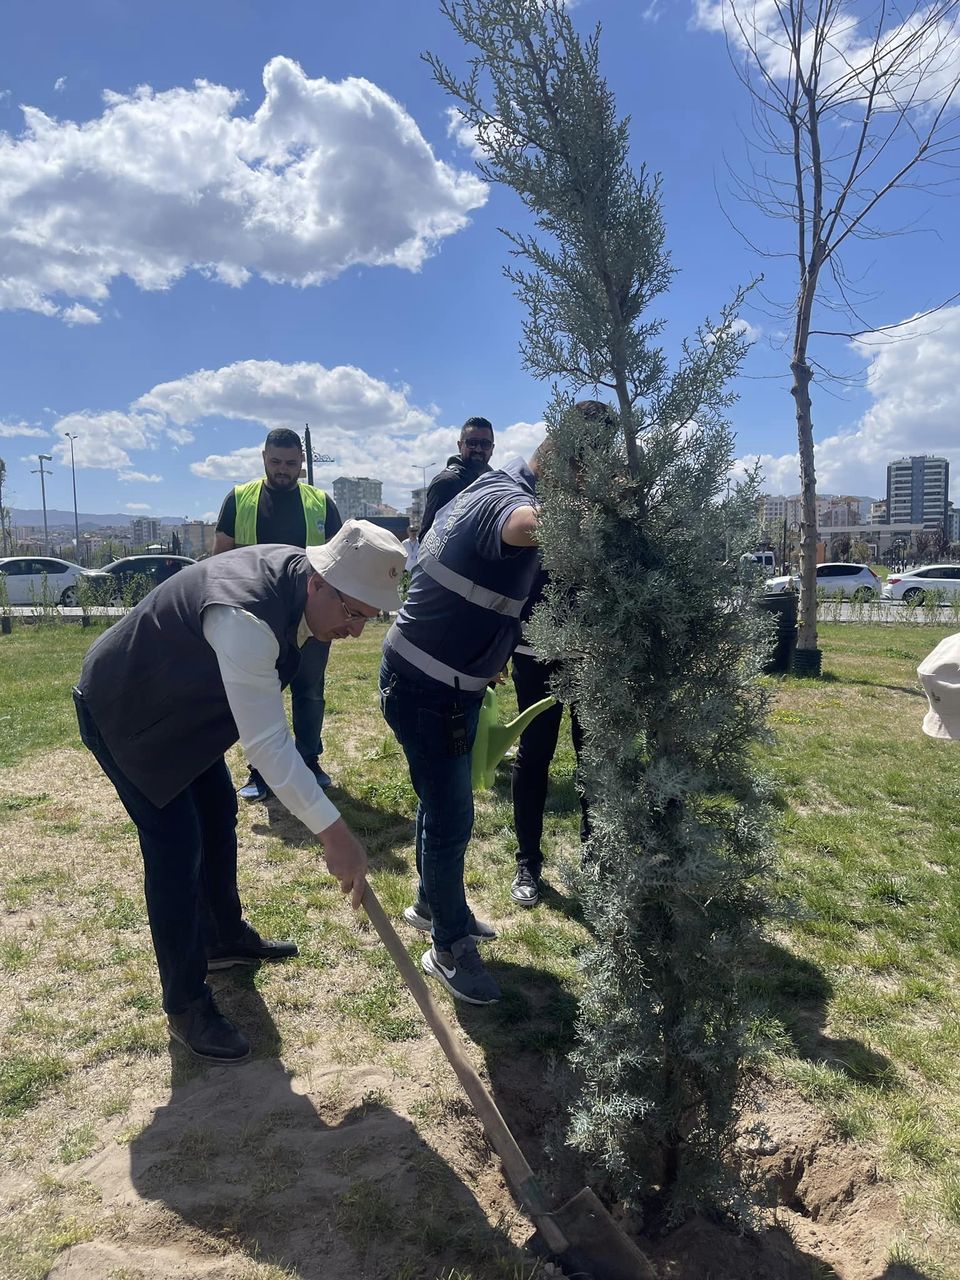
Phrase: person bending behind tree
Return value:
(471, 460)
(530, 772)
(199, 663)
(279, 508)
(532, 680)
(456, 629)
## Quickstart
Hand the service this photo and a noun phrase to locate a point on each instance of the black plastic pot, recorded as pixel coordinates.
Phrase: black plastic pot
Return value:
(808, 662)
(783, 606)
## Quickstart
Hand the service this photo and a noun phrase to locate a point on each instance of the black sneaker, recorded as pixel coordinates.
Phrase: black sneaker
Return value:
(250, 948)
(321, 775)
(462, 972)
(204, 1030)
(525, 890)
(254, 788)
(421, 917)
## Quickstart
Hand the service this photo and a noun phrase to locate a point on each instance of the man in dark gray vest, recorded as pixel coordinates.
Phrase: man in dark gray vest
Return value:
(197, 665)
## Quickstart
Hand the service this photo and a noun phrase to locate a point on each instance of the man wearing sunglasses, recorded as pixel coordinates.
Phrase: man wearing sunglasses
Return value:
(200, 663)
(472, 459)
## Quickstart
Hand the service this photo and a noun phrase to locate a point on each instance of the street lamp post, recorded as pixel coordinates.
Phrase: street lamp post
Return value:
(42, 458)
(76, 518)
(423, 492)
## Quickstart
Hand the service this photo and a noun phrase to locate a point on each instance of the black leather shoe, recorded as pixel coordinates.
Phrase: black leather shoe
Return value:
(204, 1030)
(250, 948)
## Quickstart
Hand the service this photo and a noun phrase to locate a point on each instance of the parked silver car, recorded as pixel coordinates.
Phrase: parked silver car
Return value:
(917, 585)
(40, 579)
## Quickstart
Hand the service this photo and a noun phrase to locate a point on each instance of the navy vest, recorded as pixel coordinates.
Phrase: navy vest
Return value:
(461, 619)
(152, 683)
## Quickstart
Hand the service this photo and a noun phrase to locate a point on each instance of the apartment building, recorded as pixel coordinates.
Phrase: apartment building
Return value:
(145, 531)
(196, 538)
(917, 490)
(357, 497)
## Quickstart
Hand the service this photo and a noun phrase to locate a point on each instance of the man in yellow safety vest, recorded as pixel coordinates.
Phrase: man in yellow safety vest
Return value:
(279, 509)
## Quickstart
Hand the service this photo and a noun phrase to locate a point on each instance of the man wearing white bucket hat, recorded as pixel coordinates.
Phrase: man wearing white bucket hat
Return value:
(939, 674)
(197, 665)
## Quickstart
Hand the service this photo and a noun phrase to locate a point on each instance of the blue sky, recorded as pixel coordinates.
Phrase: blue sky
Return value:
(220, 217)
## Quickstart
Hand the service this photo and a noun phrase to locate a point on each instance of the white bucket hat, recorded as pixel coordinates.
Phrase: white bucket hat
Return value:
(363, 561)
(939, 674)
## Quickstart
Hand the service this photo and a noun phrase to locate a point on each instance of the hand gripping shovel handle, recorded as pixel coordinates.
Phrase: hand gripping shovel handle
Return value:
(494, 1126)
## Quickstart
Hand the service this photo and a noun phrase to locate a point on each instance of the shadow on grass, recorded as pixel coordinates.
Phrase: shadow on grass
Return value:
(330, 1183)
(382, 831)
(796, 992)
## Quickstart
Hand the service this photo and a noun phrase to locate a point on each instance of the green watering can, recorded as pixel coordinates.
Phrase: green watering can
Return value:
(494, 739)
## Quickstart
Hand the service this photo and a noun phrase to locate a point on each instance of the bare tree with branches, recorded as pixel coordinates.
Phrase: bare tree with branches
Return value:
(850, 101)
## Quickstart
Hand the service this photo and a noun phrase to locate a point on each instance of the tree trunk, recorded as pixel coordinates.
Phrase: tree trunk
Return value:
(807, 630)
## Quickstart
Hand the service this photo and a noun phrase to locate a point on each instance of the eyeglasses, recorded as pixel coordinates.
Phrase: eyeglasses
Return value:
(349, 614)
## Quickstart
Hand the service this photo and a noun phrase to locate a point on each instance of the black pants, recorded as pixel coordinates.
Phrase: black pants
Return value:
(189, 852)
(531, 769)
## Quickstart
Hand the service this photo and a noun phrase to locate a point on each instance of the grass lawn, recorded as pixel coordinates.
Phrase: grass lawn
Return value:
(857, 987)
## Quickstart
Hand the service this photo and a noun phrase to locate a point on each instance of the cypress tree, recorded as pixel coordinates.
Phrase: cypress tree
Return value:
(641, 536)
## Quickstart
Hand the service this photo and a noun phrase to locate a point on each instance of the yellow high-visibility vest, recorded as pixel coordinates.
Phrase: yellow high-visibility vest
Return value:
(248, 502)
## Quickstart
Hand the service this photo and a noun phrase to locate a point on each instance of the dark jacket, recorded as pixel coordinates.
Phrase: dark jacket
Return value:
(152, 683)
(445, 486)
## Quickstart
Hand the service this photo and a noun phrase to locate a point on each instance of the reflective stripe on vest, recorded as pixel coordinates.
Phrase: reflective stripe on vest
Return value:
(471, 591)
(429, 665)
(247, 498)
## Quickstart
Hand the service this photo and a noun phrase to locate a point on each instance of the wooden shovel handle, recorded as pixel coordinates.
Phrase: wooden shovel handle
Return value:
(494, 1125)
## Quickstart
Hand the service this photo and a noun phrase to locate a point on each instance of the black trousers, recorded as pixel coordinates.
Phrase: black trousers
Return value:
(189, 852)
(531, 768)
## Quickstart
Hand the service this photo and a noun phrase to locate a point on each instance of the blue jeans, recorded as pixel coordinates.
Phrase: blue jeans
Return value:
(420, 718)
(189, 852)
(306, 696)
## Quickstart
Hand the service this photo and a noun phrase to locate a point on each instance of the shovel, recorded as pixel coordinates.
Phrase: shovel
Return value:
(581, 1234)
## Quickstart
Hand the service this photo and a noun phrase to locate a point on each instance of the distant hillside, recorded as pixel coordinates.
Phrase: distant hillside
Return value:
(57, 518)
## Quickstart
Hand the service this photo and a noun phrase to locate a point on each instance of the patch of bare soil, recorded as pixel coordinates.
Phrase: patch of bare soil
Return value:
(247, 1166)
(347, 1171)
(829, 1215)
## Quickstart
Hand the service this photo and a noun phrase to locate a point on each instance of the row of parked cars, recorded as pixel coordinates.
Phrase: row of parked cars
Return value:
(45, 579)
(859, 582)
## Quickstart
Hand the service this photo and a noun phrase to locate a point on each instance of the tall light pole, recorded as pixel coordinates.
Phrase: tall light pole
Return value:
(76, 518)
(42, 458)
(423, 491)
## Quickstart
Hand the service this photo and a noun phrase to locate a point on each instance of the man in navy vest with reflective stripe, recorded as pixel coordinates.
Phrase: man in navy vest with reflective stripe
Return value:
(454, 634)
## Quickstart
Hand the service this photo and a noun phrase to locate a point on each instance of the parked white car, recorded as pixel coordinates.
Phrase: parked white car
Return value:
(852, 581)
(40, 579)
(914, 587)
(785, 582)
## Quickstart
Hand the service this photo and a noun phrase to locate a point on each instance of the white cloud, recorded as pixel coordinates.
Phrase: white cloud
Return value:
(9, 429)
(850, 51)
(137, 506)
(366, 425)
(60, 84)
(344, 398)
(653, 11)
(78, 314)
(914, 379)
(463, 133)
(320, 177)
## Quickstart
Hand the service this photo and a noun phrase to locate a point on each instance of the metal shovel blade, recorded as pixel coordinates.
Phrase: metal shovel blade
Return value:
(598, 1247)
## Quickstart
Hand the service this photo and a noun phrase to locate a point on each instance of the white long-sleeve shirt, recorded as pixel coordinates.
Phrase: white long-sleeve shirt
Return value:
(247, 652)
